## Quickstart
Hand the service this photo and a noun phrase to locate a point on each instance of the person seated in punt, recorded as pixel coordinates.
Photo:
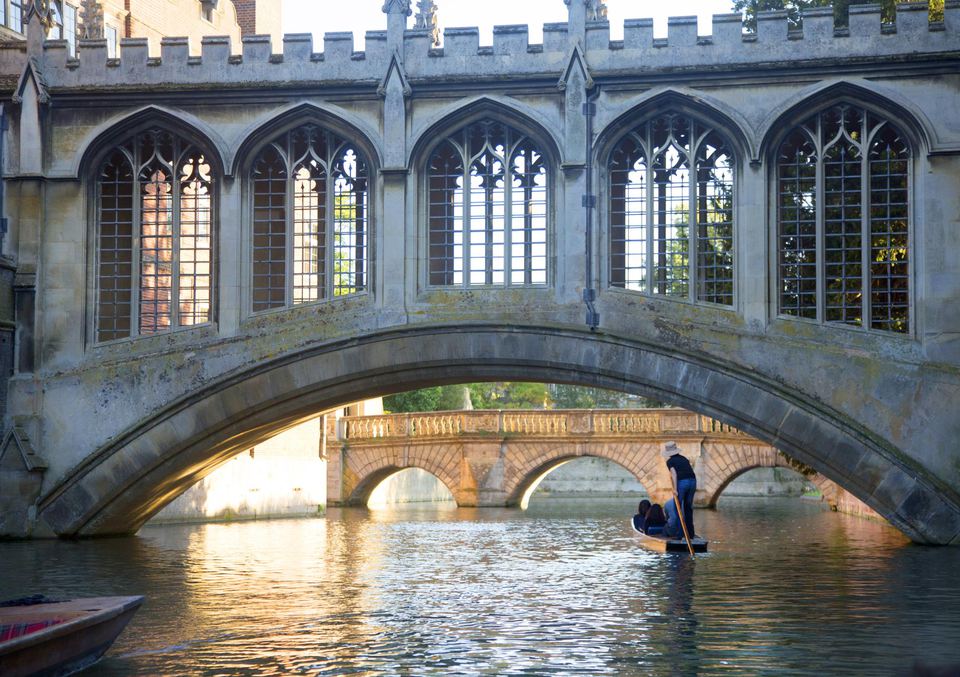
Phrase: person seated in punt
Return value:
(640, 519)
(655, 520)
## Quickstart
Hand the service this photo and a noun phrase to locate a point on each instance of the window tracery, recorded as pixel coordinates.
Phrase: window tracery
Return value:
(487, 204)
(671, 184)
(310, 218)
(843, 221)
(154, 250)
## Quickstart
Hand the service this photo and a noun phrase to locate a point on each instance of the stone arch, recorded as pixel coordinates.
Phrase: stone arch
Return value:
(539, 460)
(104, 138)
(720, 464)
(699, 106)
(811, 100)
(137, 471)
(463, 113)
(336, 119)
(367, 468)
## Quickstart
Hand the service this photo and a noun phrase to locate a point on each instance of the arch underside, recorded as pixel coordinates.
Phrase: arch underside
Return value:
(119, 487)
(727, 462)
(535, 467)
(371, 475)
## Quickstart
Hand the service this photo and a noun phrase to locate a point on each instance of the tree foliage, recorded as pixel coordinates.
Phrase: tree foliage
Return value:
(509, 395)
(579, 397)
(512, 395)
(425, 399)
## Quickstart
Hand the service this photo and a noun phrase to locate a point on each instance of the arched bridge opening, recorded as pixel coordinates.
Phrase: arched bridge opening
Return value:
(119, 486)
(527, 488)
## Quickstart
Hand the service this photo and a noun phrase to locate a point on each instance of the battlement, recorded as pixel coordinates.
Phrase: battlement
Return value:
(463, 57)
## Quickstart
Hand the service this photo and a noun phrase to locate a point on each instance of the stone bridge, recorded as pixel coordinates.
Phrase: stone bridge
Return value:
(497, 458)
(208, 246)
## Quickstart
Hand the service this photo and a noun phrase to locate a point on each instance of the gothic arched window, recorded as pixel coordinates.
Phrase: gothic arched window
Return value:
(310, 218)
(154, 247)
(843, 221)
(661, 173)
(487, 201)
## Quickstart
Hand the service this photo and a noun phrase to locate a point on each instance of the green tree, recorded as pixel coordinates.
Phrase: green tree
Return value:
(509, 395)
(425, 399)
(749, 9)
(581, 397)
(437, 398)
(512, 395)
(456, 397)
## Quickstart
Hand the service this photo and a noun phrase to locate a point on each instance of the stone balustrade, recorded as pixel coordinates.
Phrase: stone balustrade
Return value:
(534, 423)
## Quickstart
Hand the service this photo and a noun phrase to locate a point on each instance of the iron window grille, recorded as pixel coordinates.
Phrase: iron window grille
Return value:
(310, 219)
(154, 237)
(487, 187)
(843, 221)
(653, 194)
(15, 16)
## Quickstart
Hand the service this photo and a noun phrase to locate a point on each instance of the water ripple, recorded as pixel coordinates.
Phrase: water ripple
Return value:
(561, 589)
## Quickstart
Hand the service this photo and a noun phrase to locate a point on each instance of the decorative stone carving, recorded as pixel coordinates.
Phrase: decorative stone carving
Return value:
(397, 7)
(21, 477)
(596, 9)
(43, 9)
(426, 20)
(92, 26)
(395, 69)
(34, 72)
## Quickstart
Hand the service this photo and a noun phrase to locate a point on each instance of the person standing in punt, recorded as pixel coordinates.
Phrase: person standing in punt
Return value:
(684, 482)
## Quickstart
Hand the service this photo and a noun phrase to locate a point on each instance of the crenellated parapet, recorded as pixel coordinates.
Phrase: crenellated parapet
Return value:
(337, 59)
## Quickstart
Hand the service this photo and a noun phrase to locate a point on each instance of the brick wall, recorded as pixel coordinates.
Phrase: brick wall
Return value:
(156, 19)
(246, 16)
(261, 17)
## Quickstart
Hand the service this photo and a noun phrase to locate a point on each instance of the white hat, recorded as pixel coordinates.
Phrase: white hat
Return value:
(669, 449)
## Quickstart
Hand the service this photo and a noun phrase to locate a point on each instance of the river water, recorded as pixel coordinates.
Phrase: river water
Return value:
(562, 588)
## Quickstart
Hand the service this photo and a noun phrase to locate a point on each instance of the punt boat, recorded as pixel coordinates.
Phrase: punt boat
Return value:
(668, 544)
(43, 637)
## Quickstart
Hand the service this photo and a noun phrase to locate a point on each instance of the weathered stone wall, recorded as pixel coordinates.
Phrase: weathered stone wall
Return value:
(282, 477)
(875, 412)
(7, 330)
(412, 485)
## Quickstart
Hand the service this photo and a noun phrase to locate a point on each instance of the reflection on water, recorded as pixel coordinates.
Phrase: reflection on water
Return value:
(562, 588)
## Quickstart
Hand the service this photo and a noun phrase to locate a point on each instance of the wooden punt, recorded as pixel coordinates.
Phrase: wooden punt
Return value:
(667, 544)
(60, 638)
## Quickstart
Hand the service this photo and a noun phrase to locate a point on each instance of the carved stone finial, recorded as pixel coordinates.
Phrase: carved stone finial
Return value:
(43, 10)
(92, 26)
(596, 9)
(426, 19)
(397, 7)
